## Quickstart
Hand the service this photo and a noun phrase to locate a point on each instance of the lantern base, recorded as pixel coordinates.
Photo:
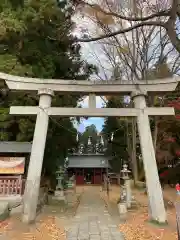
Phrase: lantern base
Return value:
(122, 208)
(59, 195)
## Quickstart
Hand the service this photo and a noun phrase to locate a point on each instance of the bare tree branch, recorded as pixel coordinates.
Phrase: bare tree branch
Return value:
(163, 13)
(150, 23)
(152, 43)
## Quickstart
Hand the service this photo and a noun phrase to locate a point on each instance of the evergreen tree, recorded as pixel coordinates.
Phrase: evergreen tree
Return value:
(36, 40)
(90, 132)
(117, 147)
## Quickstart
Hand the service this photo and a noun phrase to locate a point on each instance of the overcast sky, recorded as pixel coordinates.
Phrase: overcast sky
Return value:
(92, 52)
(88, 50)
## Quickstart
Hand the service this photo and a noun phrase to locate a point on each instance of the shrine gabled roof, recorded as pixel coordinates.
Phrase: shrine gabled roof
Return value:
(88, 161)
(15, 147)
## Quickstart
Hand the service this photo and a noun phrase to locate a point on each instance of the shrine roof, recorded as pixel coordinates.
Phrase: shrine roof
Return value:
(88, 161)
(15, 147)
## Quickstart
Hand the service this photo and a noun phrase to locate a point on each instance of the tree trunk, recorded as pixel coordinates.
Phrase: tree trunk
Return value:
(129, 147)
(135, 41)
(171, 32)
(170, 26)
(134, 158)
(155, 134)
(141, 173)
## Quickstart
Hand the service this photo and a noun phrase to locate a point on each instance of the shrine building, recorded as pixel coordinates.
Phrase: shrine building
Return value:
(88, 168)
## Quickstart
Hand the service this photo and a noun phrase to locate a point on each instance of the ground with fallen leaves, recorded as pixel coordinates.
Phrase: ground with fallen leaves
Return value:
(137, 226)
(48, 226)
(45, 228)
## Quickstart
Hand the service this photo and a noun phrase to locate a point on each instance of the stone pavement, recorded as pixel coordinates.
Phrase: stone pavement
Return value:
(92, 220)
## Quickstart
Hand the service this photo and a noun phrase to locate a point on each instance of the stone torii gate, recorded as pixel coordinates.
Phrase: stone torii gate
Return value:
(46, 89)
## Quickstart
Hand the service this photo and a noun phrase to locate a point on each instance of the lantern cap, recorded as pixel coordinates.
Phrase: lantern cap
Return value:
(125, 172)
(125, 169)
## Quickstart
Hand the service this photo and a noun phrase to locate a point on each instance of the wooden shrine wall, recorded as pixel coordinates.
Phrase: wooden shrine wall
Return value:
(96, 178)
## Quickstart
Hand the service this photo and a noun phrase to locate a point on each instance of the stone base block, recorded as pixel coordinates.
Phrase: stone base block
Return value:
(52, 200)
(4, 210)
(122, 207)
(59, 196)
(16, 210)
(71, 197)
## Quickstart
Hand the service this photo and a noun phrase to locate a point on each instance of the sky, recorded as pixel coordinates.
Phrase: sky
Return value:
(98, 122)
(89, 52)
(93, 53)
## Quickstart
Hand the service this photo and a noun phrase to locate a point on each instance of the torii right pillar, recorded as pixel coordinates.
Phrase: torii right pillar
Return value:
(156, 202)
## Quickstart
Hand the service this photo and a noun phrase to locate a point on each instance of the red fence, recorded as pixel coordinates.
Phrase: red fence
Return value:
(10, 185)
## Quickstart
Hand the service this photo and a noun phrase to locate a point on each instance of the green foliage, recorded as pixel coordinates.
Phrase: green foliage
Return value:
(118, 147)
(59, 140)
(36, 41)
(167, 127)
(91, 132)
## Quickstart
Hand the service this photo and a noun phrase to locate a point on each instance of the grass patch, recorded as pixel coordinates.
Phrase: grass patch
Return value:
(156, 223)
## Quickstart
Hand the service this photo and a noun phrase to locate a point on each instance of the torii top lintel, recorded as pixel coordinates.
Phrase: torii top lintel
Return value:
(86, 87)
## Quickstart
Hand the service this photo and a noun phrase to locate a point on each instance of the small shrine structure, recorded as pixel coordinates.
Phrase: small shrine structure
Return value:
(88, 168)
(12, 167)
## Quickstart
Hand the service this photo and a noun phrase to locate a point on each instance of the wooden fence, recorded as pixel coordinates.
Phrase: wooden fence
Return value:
(10, 185)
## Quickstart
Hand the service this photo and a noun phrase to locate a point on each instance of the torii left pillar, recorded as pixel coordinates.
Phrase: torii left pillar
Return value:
(31, 194)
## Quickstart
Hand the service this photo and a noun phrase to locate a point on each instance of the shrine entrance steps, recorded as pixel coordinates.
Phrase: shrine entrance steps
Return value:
(92, 220)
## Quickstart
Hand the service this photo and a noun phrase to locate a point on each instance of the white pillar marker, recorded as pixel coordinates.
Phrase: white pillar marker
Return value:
(112, 136)
(77, 137)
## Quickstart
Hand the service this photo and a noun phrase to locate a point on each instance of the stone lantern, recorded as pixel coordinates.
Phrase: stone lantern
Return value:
(59, 178)
(126, 194)
(125, 172)
(59, 193)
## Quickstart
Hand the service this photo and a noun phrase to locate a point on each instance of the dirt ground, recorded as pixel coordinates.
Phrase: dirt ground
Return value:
(48, 226)
(137, 225)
